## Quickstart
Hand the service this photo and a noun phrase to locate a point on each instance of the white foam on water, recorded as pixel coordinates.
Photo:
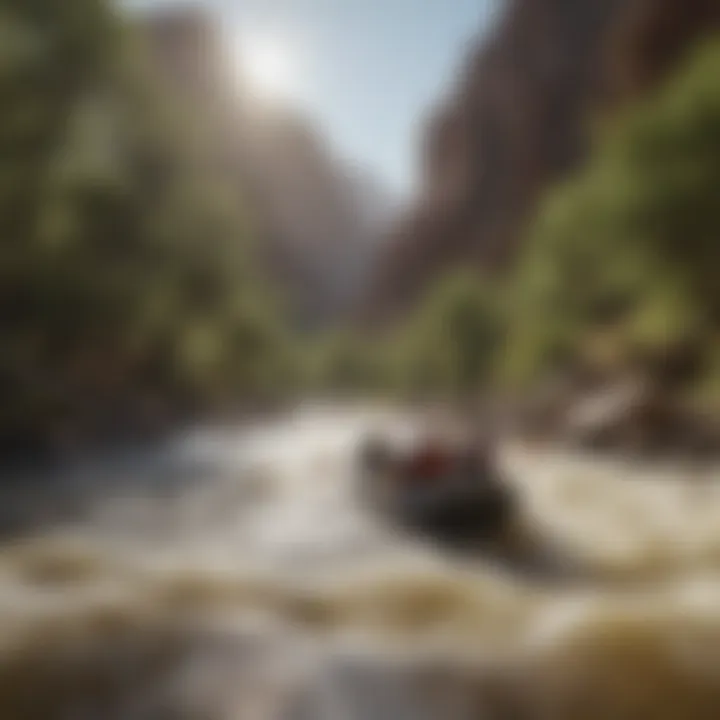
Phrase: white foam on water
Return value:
(261, 522)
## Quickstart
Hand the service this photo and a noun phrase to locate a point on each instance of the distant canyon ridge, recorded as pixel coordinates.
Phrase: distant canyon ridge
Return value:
(316, 219)
(519, 118)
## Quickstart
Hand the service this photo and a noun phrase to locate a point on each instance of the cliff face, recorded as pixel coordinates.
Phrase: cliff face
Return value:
(309, 211)
(651, 37)
(519, 120)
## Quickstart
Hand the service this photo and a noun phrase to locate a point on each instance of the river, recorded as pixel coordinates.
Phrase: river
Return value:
(229, 575)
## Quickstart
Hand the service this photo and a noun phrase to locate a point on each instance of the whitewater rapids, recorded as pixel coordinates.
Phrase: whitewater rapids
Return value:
(230, 575)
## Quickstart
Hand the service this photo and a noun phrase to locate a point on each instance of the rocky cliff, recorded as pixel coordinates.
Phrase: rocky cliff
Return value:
(519, 120)
(310, 211)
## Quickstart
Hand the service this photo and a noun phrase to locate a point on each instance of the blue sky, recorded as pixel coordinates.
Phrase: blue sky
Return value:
(367, 70)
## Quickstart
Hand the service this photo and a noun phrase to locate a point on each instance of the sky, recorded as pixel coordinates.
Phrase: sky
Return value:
(368, 71)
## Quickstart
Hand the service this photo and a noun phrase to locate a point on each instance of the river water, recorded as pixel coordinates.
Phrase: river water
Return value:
(229, 575)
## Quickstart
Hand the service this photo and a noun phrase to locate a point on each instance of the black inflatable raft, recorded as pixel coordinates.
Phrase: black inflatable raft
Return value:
(470, 504)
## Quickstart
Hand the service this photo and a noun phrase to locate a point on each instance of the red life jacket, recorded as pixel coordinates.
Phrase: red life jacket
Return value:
(428, 465)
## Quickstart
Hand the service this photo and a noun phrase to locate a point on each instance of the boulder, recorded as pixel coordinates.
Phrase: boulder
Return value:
(640, 418)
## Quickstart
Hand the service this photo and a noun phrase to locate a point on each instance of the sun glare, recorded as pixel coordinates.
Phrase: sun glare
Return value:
(268, 66)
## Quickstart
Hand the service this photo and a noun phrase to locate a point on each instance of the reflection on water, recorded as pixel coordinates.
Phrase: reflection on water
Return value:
(230, 575)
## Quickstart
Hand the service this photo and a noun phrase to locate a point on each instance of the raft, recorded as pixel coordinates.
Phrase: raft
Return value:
(468, 506)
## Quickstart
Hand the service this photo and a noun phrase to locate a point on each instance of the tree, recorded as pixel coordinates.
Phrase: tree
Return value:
(125, 271)
(452, 343)
(631, 246)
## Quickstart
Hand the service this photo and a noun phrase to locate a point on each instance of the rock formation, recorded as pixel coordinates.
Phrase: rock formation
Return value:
(309, 210)
(519, 120)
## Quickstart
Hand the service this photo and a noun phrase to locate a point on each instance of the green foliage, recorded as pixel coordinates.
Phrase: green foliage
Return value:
(348, 362)
(632, 246)
(448, 347)
(452, 344)
(124, 268)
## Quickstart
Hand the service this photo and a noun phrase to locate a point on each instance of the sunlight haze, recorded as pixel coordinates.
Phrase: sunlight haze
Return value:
(270, 66)
(368, 72)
